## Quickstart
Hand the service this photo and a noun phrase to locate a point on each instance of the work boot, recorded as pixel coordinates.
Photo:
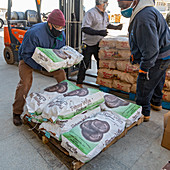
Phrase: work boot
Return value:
(157, 108)
(146, 118)
(79, 85)
(17, 119)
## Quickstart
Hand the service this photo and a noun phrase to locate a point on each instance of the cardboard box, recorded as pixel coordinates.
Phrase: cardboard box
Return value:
(167, 166)
(166, 136)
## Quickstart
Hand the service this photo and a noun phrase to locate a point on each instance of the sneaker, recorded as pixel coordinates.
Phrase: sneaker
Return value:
(17, 119)
(79, 85)
(146, 118)
(157, 108)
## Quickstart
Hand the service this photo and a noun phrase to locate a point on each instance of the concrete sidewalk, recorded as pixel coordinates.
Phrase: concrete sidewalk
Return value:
(20, 149)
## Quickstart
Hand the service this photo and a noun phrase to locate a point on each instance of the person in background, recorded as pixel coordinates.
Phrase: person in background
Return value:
(49, 34)
(168, 19)
(94, 28)
(149, 38)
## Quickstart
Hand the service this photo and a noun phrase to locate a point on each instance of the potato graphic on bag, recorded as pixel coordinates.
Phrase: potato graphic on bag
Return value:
(60, 88)
(112, 101)
(93, 130)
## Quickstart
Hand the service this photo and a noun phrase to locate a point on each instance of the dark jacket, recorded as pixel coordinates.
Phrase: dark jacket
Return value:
(168, 19)
(149, 38)
(38, 35)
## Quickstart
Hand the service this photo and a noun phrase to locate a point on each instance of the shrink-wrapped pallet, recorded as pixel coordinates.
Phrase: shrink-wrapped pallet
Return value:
(133, 88)
(105, 73)
(127, 77)
(120, 85)
(107, 64)
(119, 42)
(110, 54)
(108, 41)
(166, 95)
(168, 74)
(104, 82)
(127, 66)
(122, 43)
(167, 85)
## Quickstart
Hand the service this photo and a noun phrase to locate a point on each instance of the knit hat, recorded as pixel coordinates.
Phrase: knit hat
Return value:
(56, 17)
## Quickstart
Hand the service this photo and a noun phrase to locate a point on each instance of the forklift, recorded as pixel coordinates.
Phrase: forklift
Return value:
(17, 25)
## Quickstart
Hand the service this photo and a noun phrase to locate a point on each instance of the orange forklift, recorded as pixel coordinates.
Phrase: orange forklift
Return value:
(17, 25)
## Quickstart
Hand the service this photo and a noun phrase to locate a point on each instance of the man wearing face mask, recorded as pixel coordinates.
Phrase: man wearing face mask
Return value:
(168, 19)
(49, 34)
(149, 38)
(94, 28)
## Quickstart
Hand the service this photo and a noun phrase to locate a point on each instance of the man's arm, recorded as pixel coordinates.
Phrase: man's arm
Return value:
(91, 31)
(115, 27)
(148, 43)
(28, 47)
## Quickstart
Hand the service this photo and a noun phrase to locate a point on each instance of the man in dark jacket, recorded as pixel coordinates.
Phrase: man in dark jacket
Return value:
(46, 35)
(94, 28)
(149, 38)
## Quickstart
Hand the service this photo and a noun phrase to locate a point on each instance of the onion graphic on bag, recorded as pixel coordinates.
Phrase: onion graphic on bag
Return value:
(93, 130)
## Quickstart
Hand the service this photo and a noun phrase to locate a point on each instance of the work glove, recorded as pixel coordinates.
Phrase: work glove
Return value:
(143, 75)
(43, 70)
(102, 32)
(119, 27)
(132, 60)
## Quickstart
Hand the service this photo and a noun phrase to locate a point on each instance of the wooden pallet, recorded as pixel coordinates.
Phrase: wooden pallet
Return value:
(129, 96)
(60, 152)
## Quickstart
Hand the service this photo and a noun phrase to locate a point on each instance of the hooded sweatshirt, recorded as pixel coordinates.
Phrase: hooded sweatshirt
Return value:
(149, 35)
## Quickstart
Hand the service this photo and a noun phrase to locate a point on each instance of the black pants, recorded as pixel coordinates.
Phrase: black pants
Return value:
(87, 53)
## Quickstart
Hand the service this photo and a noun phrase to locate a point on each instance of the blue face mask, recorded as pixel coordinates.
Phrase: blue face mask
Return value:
(127, 13)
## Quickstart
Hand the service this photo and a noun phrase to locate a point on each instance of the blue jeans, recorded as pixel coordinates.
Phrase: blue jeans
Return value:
(150, 91)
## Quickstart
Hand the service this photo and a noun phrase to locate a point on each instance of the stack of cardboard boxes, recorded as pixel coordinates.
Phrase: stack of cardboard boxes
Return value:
(166, 136)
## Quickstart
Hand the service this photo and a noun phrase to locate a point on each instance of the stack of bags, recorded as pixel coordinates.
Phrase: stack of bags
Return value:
(84, 120)
(166, 89)
(116, 71)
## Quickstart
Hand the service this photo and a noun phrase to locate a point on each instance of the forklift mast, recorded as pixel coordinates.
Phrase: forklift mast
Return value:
(73, 12)
(38, 5)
